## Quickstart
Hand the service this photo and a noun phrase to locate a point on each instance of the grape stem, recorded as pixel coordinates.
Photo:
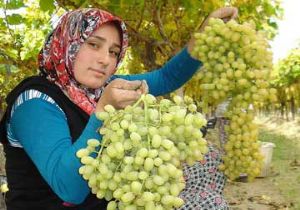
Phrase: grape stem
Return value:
(101, 149)
(120, 164)
(139, 101)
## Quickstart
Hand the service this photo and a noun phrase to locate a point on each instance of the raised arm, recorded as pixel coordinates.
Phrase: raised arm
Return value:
(171, 76)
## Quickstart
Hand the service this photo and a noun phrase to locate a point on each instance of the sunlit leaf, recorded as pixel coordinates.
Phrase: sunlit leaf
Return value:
(153, 43)
(14, 4)
(15, 19)
(47, 5)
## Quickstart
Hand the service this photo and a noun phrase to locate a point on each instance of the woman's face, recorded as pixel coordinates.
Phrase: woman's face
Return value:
(97, 57)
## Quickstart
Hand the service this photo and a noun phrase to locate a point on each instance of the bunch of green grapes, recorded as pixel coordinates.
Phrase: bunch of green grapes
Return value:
(242, 147)
(237, 63)
(139, 163)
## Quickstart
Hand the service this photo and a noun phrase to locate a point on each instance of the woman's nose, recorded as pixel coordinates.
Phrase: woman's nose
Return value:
(103, 57)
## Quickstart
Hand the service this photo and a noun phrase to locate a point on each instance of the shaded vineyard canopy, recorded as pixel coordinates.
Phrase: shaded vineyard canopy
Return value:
(157, 29)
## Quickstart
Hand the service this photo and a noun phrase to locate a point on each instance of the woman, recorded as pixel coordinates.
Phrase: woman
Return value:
(51, 116)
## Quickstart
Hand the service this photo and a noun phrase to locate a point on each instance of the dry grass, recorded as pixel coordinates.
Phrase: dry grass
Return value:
(286, 155)
(289, 129)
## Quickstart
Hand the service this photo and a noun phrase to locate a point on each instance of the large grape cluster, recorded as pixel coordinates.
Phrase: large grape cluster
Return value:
(138, 165)
(236, 68)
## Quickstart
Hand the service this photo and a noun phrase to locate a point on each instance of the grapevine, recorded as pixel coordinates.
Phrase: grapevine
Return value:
(138, 162)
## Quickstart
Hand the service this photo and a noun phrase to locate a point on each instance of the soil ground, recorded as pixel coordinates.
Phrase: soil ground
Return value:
(261, 194)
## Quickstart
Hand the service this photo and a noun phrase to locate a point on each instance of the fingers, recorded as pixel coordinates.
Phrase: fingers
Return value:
(126, 103)
(125, 84)
(225, 13)
(125, 97)
(232, 15)
(128, 95)
(120, 93)
(235, 13)
(144, 89)
(140, 86)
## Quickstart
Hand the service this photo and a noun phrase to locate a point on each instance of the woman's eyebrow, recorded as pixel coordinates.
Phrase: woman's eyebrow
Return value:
(103, 40)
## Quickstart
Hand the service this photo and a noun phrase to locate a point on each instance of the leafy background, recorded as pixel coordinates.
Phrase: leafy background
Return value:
(158, 29)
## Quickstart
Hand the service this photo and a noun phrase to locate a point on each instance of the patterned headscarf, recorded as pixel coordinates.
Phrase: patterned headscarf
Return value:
(56, 59)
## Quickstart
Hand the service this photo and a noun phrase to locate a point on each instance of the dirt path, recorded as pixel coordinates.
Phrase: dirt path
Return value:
(261, 194)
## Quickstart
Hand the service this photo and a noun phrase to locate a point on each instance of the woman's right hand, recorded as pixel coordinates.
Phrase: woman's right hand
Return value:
(119, 93)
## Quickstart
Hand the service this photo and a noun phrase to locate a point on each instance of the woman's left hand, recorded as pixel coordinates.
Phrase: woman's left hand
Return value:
(225, 13)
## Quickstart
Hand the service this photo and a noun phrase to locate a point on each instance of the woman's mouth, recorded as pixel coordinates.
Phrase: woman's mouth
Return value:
(98, 72)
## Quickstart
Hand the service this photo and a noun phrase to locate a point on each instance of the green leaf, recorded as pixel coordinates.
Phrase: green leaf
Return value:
(14, 4)
(47, 5)
(273, 24)
(2, 69)
(270, 10)
(15, 19)
(2, 22)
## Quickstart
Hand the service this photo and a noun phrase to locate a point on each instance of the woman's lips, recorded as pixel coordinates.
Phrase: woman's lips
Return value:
(99, 72)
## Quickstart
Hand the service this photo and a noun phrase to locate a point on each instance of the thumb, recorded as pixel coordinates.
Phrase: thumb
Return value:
(144, 89)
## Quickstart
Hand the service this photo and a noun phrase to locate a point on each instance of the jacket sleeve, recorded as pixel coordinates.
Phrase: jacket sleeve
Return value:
(171, 76)
(42, 129)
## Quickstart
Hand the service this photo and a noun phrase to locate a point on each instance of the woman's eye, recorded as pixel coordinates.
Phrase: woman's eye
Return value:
(93, 45)
(115, 53)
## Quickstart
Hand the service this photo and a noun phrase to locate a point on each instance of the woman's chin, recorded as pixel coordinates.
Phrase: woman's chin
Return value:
(96, 85)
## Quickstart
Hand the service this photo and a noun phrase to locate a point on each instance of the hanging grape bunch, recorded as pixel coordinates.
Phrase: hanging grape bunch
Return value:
(142, 148)
(237, 64)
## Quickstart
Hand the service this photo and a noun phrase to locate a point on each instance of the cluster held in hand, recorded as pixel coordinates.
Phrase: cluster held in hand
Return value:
(237, 65)
(237, 62)
(139, 161)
